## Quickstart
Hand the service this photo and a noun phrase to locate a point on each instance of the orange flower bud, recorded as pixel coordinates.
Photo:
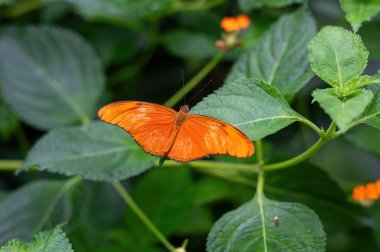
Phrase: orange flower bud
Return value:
(371, 191)
(230, 24)
(359, 193)
(234, 24)
(243, 21)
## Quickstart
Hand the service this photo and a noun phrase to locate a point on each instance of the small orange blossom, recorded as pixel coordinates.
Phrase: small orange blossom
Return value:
(234, 24)
(368, 192)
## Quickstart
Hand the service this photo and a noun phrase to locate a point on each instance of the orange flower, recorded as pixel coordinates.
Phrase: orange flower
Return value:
(371, 191)
(359, 193)
(243, 21)
(234, 24)
(367, 193)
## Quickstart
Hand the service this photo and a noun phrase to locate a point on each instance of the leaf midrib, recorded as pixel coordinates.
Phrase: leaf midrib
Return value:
(58, 87)
(268, 118)
(94, 154)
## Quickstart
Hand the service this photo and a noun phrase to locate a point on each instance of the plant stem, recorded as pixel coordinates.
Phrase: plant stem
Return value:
(10, 165)
(260, 188)
(260, 154)
(141, 215)
(213, 165)
(306, 154)
(195, 80)
(312, 126)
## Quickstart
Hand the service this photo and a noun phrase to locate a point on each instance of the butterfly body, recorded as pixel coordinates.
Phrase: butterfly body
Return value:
(180, 136)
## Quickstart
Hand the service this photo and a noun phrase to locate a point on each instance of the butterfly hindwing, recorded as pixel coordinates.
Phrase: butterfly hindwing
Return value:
(200, 136)
(151, 125)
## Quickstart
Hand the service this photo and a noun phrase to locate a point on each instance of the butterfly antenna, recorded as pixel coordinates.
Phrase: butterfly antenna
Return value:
(183, 88)
(200, 91)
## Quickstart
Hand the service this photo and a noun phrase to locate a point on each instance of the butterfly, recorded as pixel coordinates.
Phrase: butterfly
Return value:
(183, 137)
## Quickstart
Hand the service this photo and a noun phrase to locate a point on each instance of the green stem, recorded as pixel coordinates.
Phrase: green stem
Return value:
(260, 188)
(306, 154)
(195, 80)
(228, 175)
(213, 165)
(141, 215)
(10, 165)
(259, 154)
(312, 126)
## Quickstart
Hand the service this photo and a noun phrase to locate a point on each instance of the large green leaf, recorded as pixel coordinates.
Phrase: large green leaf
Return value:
(190, 45)
(365, 137)
(251, 227)
(337, 55)
(247, 5)
(52, 240)
(309, 185)
(122, 10)
(344, 110)
(256, 108)
(371, 37)
(89, 228)
(97, 151)
(175, 199)
(27, 210)
(280, 57)
(372, 113)
(347, 164)
(50, 76)
(358, 11)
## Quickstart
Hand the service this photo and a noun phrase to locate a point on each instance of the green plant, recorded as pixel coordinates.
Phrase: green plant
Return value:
(292, 195)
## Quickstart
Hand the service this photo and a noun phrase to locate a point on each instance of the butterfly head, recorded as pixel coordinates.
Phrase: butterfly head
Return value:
(184, 109)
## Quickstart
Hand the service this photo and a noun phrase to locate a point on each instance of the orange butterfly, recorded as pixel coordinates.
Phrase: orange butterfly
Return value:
(180, 136)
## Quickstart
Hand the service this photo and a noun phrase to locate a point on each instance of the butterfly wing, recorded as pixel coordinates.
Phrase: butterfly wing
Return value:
(151, 125)
(200, 136)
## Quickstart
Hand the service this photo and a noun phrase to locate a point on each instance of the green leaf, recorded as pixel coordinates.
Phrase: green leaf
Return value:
(337, 56)
(172, 188)
(190, 45)
(97, 209)
(372, 113)
(256, 108)
(122, 10)
(97, 151)
(347, 164)
(251, 227)
(363, 81)
(50, 76)
(247, 5)
(280, 56)
(27, 210)
(365, 137)
(313, 187)
(358, 11)
(343, 111)
(371, 37)
(52, 240)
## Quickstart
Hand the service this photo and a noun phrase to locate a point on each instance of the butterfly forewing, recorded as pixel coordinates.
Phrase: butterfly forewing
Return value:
(200, 136)
(151, 125)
